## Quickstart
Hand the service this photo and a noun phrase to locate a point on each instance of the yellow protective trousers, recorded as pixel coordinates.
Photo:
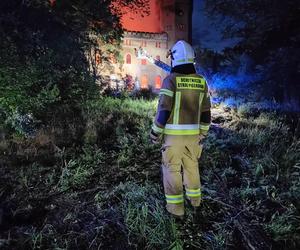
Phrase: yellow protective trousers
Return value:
(180, 156)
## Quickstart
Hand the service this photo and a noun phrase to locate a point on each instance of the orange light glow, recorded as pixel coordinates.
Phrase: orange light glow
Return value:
(158, 82)
(144, 82)
(128, 59)
(144, 62)
(151, 23)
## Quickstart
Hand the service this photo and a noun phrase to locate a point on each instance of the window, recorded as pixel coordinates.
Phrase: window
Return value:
(157, 44)
(158, 82)
(144, 61)
(128, 59)
(127, 42)
(143, 44)
(180, 26)
(157, 58)
(179, 12)
(144, 82)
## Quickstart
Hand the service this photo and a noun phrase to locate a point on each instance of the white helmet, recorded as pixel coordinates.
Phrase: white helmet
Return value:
(182, 53)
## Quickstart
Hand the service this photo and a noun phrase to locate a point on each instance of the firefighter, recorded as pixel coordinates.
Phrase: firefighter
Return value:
(182, 121)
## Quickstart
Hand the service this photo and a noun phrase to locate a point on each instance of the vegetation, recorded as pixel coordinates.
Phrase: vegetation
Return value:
(77, 170)
(265, 56)
(45, 56)
(106, 193)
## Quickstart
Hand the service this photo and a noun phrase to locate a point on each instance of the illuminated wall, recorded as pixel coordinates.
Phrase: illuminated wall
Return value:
(151, 23)
(168, 21)
(173, 17)
(183, 20)
(142, 70)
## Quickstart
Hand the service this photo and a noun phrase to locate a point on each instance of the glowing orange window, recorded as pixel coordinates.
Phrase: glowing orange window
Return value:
(144, 82)
(158, 82)
(143, 61)
(128, 59)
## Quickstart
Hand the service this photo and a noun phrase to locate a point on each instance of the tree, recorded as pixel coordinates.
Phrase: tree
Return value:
(269, 32)
(43, 63)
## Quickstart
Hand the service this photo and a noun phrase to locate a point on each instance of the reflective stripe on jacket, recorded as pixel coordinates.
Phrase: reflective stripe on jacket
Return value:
(187, 98)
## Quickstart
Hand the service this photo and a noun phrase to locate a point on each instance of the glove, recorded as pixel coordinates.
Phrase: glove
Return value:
(154, 137)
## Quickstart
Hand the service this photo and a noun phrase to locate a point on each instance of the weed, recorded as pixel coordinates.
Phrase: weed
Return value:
(284, 227)
(250, 173)
(76, 173)
(147, 223)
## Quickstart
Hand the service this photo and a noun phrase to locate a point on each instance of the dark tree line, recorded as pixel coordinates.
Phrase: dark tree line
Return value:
(270, 35)
(43, 63)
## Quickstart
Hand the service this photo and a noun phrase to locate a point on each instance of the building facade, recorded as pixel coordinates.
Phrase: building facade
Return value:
(144, 74)
(168, 22)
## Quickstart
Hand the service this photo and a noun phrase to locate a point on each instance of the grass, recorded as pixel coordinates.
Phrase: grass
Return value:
(147, 223)
(102, 191)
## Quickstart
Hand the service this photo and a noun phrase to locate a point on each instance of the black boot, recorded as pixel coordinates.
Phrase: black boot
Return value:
(197, 215)
(178, 218)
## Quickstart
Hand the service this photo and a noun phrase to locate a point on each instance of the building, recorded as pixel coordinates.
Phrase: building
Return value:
(142, 72)
(168, 21)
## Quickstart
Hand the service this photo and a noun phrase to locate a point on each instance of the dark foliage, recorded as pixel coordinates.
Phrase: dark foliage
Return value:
(269, 34)
(44, 67)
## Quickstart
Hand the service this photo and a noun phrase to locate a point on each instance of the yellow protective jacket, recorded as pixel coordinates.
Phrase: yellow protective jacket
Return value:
(188, 100)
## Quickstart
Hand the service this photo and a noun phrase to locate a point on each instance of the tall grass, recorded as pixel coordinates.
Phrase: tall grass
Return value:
(146, 221)
(104, 191)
